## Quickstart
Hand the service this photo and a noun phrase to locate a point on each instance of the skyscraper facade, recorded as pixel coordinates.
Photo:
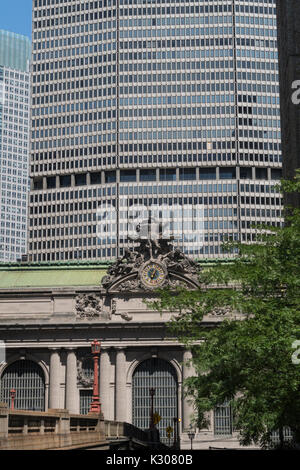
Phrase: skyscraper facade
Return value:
(15, 56)
(289, 60)
(153, 103)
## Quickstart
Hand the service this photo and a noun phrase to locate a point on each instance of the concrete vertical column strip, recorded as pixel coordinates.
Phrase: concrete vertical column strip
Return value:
(120, 385)
(54, 381)
(104, 383)
(71, 382)
(187, 408)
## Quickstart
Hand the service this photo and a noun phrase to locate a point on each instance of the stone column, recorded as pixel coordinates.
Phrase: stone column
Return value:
(4, 412)
(54, 380)
(120, 386)
(71, 382)
(104, 382)
(187, 408)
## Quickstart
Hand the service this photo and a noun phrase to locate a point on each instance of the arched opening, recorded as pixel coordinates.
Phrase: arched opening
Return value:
(158, 374)
(27, 378)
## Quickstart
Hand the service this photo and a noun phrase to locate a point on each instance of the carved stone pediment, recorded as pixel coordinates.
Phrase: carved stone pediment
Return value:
(154, 264)
(89, 306)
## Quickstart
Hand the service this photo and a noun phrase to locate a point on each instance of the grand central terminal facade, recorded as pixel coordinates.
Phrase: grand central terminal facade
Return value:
(51, 312)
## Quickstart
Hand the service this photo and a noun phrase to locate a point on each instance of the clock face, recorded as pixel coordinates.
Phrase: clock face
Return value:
(153, 274)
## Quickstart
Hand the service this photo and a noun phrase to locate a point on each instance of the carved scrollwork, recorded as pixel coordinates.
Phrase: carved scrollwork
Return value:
(221, 311)
(123, 315)
(130, 285)
(88, 306)
(126, 317)
(177, 283)
(113, 307)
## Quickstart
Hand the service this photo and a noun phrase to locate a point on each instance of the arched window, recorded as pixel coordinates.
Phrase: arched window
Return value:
(160, 375)
(27, 378)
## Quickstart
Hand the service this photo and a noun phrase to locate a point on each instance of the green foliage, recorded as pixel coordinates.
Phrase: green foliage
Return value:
(248, 357)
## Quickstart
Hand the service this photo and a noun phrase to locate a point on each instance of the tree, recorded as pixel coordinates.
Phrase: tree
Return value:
(247, 358)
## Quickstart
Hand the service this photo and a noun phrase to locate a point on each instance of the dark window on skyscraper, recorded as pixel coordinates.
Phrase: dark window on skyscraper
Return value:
(246, 173)
(65, 181)
(110, 177)
(96, 178)
(167, 174)
(38, 183)
(127, 176)
(187, 174)
(261, 173)
(227, 173)
(276, 174)
(80, 180)
(207, 174)
(51, 182)
(148, 175)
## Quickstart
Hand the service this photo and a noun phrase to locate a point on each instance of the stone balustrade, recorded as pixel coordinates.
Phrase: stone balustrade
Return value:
(54, 429)
(59, 429)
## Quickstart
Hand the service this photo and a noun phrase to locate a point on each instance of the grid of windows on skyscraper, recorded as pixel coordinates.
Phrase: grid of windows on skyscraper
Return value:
(15, 52)
(152, 103)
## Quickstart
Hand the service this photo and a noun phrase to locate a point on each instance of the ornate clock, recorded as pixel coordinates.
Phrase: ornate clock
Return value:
(153, 274)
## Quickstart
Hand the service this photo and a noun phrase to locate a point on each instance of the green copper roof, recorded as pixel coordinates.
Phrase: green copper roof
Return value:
(56, 275)
(63, 274)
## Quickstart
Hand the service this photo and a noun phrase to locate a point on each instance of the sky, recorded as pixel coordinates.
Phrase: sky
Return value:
(15, 16)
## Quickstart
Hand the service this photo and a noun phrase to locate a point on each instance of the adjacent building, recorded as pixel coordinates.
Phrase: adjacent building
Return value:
(51, 312)
(289, 59)
(15, 56)
(152, 103)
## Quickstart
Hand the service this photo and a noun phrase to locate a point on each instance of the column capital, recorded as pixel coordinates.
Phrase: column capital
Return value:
(120, 348)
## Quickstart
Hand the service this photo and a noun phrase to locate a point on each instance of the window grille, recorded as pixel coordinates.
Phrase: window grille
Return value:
(287, 436)
(27, 378)
(223, 419)
(160, 375)
(86, 397)
(88, 368)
